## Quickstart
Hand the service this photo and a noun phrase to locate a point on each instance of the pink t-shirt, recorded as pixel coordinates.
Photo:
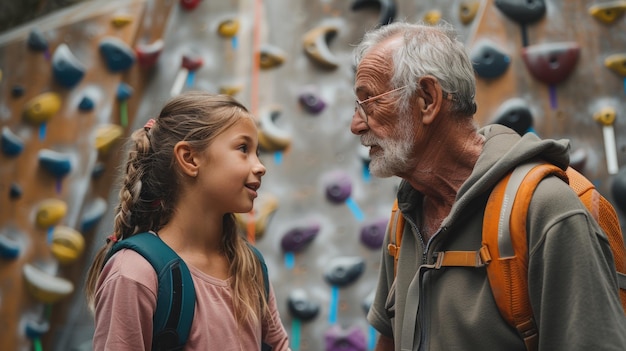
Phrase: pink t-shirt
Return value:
(126, 299)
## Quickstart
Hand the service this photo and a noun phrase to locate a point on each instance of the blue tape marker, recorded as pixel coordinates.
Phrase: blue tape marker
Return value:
(278, 157)
(295, 334)
(42, 131)
(234, 42)
(290, 260)
(49, 234)
(334, 305)
(371, 343)
(191, 75)
(366, 173)
(356, 211)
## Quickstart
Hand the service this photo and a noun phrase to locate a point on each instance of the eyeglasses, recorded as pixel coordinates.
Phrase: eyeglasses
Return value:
(359, 104)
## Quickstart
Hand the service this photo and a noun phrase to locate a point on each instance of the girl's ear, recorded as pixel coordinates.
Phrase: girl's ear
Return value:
(185, 156)
(431, 98)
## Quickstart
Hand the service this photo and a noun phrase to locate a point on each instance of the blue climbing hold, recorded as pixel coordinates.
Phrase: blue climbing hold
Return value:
(66, 68)
(124, 91)
(86, 104)
(12, 145)
(58, 164)
(117, 55)
(15, 192)
(36, 40)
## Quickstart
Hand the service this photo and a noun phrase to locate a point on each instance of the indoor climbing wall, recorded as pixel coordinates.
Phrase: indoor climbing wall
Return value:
(76, 83)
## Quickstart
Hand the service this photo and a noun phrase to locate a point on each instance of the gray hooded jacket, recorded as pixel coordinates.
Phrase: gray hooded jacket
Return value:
(572, 281)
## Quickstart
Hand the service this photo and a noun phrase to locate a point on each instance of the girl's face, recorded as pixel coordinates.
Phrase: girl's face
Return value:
(230, 173)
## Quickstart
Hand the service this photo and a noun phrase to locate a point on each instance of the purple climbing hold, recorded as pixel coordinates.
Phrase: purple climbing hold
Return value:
(340, 339)
(339, 187)
(312, 102)
(296, 239)
(373, 234)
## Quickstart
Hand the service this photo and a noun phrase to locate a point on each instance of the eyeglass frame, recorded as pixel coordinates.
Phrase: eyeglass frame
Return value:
(358, 108)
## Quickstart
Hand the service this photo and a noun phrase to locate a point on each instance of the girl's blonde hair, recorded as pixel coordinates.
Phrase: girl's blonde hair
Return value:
(148, 193)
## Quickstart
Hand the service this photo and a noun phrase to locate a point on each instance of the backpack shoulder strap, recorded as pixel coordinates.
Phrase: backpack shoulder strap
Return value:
(504, 235)
(176, 296)
(266, 282)
(395, 228)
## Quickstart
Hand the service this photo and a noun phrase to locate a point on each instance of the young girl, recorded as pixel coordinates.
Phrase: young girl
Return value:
(187, 172)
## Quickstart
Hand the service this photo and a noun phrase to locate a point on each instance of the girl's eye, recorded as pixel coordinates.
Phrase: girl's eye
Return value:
(243, 148)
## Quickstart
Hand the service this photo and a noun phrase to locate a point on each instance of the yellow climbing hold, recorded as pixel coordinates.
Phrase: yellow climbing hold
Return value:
(67, 244)
(46, 287)
(42, 108)
(50, 212)
(120, 21)
(106, 135)
(606, 116)
(228, 28)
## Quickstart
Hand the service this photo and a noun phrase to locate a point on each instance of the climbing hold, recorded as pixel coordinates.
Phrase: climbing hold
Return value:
(230, 89)
(271, 137)
(338, 338)
(311, 102)
(515, 114)
(432, 17)
(98, 170)
(488, 61)
(608, 12)
(228, 28)
(12, 145)
(36, 328)
(86, 104)
(271, 56)
(15, 192)
(605, 116)
(315, 43)
(124, 91)
(343, 271)
(264, 208)
(189, 4)
(17, 91)
(50, 212)
(468, 10)
(67, 244)
(192, 63)
(10, 247)
(522, 12)
(120, 21)
(297, 239)
(67, 70)
(107, 135)
(616, 63)
(57, 163)
(373, 233)
(148, 54)
(301, 306)
(92, 213)
(45, 287)
(36, 40)
(339, 187)
(42, 108)
(117, 55)
(551, 63)
(387, 9)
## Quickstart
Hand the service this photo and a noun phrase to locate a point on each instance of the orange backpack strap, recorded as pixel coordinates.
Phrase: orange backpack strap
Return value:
(504, 234)
(394, 230)
(604, 213)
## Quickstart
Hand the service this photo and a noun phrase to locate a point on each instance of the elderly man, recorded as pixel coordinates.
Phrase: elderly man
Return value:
(415, 103)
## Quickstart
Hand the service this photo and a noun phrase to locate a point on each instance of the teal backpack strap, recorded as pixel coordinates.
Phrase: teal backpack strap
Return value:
(176, 297)
(266, 281)
(266, 285)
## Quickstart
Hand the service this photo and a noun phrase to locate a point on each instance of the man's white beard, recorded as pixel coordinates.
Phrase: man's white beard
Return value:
(393, 158)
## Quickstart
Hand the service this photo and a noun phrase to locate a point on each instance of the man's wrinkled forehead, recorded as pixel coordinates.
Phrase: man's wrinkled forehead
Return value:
(376, 67)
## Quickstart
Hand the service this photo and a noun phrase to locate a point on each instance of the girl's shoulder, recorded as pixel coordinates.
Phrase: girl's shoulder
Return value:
(130, 265)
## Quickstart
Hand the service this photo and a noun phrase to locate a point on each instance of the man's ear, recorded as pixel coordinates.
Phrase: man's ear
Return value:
(431, 98)
(185, 157)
